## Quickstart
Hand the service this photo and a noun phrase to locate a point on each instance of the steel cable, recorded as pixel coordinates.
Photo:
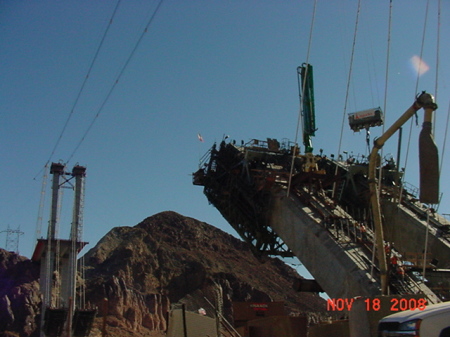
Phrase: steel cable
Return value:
(100, 109)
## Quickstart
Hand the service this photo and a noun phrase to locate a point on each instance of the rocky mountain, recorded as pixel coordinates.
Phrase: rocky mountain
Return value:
(165, 260)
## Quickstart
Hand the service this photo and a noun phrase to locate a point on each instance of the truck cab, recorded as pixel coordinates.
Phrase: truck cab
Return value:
(433, 321)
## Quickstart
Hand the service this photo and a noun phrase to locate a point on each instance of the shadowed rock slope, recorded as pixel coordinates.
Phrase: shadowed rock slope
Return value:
(19, 295)
(168, 259)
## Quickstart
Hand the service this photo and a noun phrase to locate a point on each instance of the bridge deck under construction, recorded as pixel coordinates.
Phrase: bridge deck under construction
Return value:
(325, 219)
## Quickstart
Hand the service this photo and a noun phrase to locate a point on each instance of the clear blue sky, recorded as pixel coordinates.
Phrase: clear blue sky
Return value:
(209, 67)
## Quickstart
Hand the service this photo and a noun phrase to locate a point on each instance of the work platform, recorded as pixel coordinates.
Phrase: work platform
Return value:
(64, 246)
(325, 219)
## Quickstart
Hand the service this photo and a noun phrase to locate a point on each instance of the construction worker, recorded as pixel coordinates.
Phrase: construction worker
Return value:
(363, 231)
(401, 272)
(394, 261)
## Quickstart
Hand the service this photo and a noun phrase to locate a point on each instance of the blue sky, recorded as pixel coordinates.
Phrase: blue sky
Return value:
(209, 67)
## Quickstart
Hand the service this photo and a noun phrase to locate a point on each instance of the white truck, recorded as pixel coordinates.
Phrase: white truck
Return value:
(433, 321)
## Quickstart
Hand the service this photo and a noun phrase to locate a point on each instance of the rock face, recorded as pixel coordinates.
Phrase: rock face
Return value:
(143, 271)
(19, 295)
(169, 258)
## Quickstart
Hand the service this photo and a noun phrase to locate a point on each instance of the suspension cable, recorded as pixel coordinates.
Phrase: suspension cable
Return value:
(108, 95)
(300, 112)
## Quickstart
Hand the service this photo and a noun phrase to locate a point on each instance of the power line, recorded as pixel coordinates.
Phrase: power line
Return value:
(99, 111)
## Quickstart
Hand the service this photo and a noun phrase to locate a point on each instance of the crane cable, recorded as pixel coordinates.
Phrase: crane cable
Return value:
(438, 44)
(415, 92)
(348, 89)
(122, 70)
(436, 87)
(299, 120)
(445, 140)
(94, 59)
(425, 250)
(80, 91)
(388, 53)
(355, 34)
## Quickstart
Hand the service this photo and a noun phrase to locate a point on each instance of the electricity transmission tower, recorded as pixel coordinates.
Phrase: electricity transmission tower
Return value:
(12, 239)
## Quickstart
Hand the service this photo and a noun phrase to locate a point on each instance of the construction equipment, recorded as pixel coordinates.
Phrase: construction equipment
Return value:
(307, 98)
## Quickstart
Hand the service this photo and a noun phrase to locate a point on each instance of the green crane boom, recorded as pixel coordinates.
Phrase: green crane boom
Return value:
(307, 96)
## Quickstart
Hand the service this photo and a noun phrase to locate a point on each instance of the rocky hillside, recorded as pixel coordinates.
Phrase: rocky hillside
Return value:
(166, 260)
(19, 294)
(169, 258)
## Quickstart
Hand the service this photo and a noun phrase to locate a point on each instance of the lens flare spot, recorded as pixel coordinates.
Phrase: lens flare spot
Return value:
(419, 65)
